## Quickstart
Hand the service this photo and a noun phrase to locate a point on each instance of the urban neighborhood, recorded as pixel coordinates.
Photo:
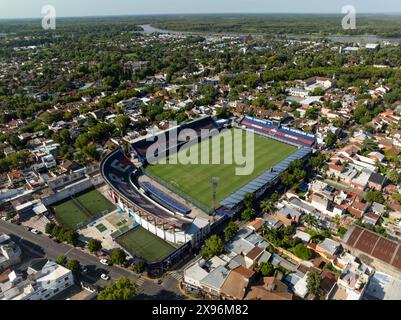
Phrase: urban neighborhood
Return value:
(86, 215)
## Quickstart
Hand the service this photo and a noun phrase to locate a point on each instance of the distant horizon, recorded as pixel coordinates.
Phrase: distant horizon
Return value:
(23, 9)
(207, 13)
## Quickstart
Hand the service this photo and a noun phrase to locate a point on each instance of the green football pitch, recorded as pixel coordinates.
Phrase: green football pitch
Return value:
(146, 245)
(194, 180)
(84, 208)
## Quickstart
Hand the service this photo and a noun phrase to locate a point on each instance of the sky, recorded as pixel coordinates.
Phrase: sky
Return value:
(68, 8)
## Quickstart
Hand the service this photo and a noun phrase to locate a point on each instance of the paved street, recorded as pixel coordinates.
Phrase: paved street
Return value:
(42, 246)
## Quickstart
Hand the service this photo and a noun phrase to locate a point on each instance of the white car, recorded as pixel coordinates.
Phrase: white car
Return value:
(4, 218)
(105, 277)
(105, 262)
(34, 231)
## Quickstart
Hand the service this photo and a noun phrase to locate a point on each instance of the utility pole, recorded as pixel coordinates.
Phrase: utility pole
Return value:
(215, 183)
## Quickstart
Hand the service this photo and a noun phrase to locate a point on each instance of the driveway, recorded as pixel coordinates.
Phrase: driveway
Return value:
(43, 246)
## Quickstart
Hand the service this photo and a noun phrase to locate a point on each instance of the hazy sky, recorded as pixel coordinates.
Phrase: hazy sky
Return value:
(32, 8)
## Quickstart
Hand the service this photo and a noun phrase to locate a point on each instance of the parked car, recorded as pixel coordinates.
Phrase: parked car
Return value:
(34, 231)
(105, 262)
(105, 277)
(4, 218)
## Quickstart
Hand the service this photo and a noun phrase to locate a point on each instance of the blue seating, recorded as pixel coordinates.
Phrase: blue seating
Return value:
(164, 198)
(287, 134)
(140, 147)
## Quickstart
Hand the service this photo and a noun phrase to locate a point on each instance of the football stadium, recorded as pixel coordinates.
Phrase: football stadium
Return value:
(183, 203)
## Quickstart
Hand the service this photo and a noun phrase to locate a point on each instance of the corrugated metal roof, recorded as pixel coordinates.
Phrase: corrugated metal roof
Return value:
(267, 177)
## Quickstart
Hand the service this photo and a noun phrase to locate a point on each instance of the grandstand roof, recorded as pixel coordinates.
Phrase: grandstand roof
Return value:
(269, 176)
(172, 135)
(374, 245)
(290, 135)
(117, 170)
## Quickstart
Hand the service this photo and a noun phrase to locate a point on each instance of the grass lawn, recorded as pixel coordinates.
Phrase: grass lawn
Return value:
(194, 180)
(101, 227)
(146, 245)
(69, 215)
(95, 202)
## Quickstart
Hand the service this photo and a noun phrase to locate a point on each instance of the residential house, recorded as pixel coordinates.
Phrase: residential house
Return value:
(15, 177)
(377, 181)
(328, 248)
(288, 215)
(45, 280)
(195, 273)
(251, 258)
(271, 288)
(358, 208)
(214, 281)
(256, 224)
(237, 283)
(10, 253)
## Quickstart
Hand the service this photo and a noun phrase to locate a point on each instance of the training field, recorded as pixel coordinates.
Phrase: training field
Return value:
(95, 202)
(144, 244)
(69, 215)
(83, 209)
(194, 180)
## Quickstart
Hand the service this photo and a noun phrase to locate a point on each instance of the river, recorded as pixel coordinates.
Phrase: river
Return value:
(147, 28)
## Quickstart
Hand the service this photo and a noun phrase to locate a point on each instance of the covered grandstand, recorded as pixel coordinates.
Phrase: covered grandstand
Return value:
(171, 143)
(164, 199)
(118, 171)
(269, 178)
(281, 133)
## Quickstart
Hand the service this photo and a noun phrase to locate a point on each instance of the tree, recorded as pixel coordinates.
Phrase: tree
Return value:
(139, 267)
(397, 197)
(49, 227)
(317, 161)
(266, 269)
(375, 196)
(62, 260)
(74, 266)
(268, 206)
(331, 139)
(230, 231)
(71, 237)
(248, 214)
(313, 281)
(369, 145)
(213, 246)
(249, 200)
(318, 92)
(118, 256)
(122, 123)
(94, 245)
(312, 113)
(123, 289)
(310, 220)
(223, 113)
(302, 252)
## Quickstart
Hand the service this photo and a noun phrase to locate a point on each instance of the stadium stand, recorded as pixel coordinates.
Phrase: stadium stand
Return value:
(117, 170)
(281, 133)
(269, 177)
(164, 199)
(140, 147)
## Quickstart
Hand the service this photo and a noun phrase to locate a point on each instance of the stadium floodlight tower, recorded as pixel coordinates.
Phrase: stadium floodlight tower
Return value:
(215, 184)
